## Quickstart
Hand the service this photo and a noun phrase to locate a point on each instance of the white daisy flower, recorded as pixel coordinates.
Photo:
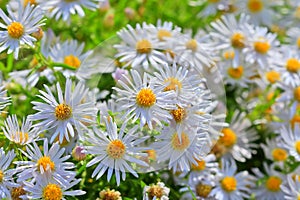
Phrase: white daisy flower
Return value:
(260, 11)
(291, 189)
(232, 185)
(46, 188)
(180, 152)
(64, 9)
(156, 191)
(66, 115)
(71, 53)
(116, 151)
(231, 34)
(262, 46)
(208, 166)
(18, 28)
(139, 48)
(20, 135)
(270, 185)
(273, 151)
(142, 100)
(6, 179)
(237, 140)
(211, 7)
(291, 140)
(49, 162)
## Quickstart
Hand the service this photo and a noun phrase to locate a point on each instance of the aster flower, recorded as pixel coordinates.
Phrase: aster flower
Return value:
(291, 189)
(66, 115)
(48, 162)
(180, 152)
(20, 135)
(273, 151)
(18, 28)
(270, 185)
(64, 9)
(115, 151)
(139, 48)
(142, 100)
(232, 185)
(6, 175)
(109, 194)
(156, 192)
(291, 140)
(47, 188)
(208, 167)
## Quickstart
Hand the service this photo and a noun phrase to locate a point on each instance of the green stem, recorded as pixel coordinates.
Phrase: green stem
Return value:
(63, 66)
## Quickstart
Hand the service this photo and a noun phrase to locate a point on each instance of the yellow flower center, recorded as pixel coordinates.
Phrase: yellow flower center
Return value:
(203, 190)
(179, 114)
(297, 12)
(228, 55)
(63, 112)
(229, 184)
(262, 47)
(236, 73)
(293, 65)
(192, 45)
(155, 191)
(174, 84)
(294, 120)
(143, 46)
(298, 197)
(163, 34)
(272, 76)
(201, 165)
(52, 192)
(145, 97)
(297, 93)
(297, 146)
(110, 195)
(1, 176)
(116, 149)
(298, 42)
(22, 136)
(151, 154)
(279, 154)
(72, 61)
(229, 137)
(15, 30)
(17, 192)
(178, 144)
(255, 6)
(238, 40)
(45, 162)
(273, 183)
(64, 143)
(31, 2)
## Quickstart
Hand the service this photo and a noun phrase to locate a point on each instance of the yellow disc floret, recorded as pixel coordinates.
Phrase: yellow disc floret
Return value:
(272, 76)
(15, 30)
(178, 114)
(297, 146)
(174, 84)
(17, 192)
(279, 154)
(46, 163)
(293, 65)
(255, 6)
(262, 47)
(162, 34)
(229, 183)
(110, 195)
(236, 73)
(178, 144)
(229, 137)
(201, 165)
(192, 45)
(146, 97)
(52, 192)
(155, 191)
(116, 149)
(203, 190)
(238, 40)
(63, 112)
(143, 46)
(297, 93)
(273, 183)
(1, 176)
(72, 61)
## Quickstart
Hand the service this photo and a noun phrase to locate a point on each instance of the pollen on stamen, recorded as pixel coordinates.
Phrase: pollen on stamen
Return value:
(273, 183)
(179, 114)
(238, 40)
(52, 192)
(236, 73)
(63, 112)
(17, 192)
(15, 30)
(174, 84)
(293, 65)
(1, 176)
(182, 144)
(272, 76)
(201, 165)
(229, 137)
(31, 2)
(203, 190)
(143, 46)
(162, 34)
(297, 93)
(146, 97)
(155, 191)
(229, 184)
(297, 146)
(72, 61)
(116, 149)
(279, 154)
(261, 47)
(192, 45)
(46, 163)
(255, 6)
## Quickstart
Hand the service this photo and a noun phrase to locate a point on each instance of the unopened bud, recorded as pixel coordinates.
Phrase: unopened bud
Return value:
(38, 34)
(78, 153)
(130, 13)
